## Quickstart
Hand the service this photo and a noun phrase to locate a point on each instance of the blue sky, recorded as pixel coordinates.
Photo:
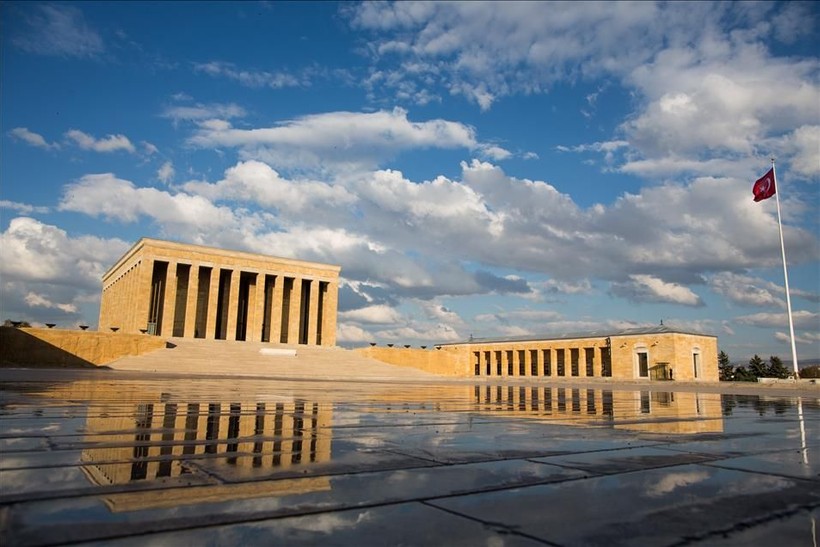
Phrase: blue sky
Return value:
(475, 168)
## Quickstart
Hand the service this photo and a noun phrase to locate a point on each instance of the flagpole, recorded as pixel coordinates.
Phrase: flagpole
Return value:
(785, 274)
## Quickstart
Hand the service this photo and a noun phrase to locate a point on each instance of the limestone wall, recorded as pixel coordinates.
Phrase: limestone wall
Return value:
(70, 348)
(444, 362)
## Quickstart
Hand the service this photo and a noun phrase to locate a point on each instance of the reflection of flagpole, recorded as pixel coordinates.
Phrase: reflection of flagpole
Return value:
(803, 448)
(785, 274)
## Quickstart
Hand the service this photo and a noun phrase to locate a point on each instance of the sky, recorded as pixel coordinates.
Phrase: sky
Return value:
(476, 169)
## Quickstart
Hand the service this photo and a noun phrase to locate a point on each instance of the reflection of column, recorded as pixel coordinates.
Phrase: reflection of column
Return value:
(330, 304)
(190, 304)
(295, 318)
(213, 296)
(168, 305)
(233, 305)
(313, 312)
(803, 448)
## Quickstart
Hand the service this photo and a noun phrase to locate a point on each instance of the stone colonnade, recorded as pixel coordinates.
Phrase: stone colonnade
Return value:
(573, 360)
(171, 289)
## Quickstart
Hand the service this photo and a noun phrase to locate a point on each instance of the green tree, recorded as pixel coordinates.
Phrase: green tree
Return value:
(726, 369)
(757, 367)
(810, 372)
(744, 375)
(776, 368)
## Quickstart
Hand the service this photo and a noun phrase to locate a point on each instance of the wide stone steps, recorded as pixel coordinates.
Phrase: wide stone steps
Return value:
(224, 357)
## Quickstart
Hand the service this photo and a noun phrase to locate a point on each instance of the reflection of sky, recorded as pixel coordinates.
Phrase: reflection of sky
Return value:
(392, 437)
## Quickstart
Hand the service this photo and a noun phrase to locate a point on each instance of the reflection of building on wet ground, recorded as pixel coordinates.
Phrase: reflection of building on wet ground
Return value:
(191, 291)
(158, 439)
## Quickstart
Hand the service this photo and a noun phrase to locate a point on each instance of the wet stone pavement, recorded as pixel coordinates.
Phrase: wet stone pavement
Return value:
(110, 458)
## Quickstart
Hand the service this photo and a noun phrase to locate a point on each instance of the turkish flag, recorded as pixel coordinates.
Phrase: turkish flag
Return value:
(764, 187)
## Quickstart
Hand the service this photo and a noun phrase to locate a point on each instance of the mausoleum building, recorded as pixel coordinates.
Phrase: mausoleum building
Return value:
(172, 289)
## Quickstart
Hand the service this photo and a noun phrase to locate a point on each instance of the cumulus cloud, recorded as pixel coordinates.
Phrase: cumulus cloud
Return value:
(801, 318)
(704, 81)
(808, 338)
(646, 288)
(37, 252)
(379, 314)
(341, 139)
(32, 138)
(104, 195)
(38, 300)
(110, 143)
(746, 290)
(57, 30)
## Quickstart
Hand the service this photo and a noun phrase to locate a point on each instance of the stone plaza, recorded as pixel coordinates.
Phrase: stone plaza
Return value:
(394, 456)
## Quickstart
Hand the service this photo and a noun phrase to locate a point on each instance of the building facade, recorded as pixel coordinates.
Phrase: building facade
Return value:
(654, 353)
(173, 289)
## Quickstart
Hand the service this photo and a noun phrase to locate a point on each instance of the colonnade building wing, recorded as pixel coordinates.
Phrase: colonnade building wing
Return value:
(193, 291)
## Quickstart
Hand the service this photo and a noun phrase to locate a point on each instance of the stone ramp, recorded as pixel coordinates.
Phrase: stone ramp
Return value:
(229, 358)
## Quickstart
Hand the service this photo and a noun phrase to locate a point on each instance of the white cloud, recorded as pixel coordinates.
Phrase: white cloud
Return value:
(104, 195)
(646, 288)
(110, 143)
(801, 319)
(166, 172)
(747, 291)
(32, 138)
(808, 338)
(201, 112)
(705, 84)
(23, 208)
(38, 252)
(341, 139)
(277, 80)
(379, 314)
(37, 300)
(58, 30)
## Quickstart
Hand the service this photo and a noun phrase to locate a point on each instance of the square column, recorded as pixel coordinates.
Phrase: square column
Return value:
(313, 312)
(276, 309)
(233, 305)
(330, 306)
(169, 302)
(142, 300)
(295, 316)
(190, 303)
(256, 309)
(213, 296)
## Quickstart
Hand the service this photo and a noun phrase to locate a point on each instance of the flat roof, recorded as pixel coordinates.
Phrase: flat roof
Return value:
(217, 251)
(638, 331)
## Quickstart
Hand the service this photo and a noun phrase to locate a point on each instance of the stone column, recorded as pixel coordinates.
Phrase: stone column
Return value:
(169, 302)
(213, 295)
(190, 302)
(256, 309)
(276, 309)
(233, 305)
(295, 311)
(331, 304)
(313, 313)
(142, 299)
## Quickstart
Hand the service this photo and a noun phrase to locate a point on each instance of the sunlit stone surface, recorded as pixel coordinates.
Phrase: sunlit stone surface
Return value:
(119, 458)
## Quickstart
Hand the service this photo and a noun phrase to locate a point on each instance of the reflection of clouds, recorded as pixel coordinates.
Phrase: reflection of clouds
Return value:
(327, 523)
(675, 480)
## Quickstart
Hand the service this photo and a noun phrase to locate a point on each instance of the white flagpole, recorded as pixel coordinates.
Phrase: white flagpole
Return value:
(785, 272)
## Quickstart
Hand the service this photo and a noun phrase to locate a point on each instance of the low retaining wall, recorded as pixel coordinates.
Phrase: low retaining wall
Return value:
(34, 347)
(443, 362)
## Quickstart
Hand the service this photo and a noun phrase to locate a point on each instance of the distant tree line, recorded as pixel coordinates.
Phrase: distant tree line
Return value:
(758, 368)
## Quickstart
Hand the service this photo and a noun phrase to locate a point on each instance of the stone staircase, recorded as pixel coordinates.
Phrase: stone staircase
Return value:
(188, 356)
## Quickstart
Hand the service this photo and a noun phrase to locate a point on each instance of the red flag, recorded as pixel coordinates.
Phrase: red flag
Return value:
(765, 187)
